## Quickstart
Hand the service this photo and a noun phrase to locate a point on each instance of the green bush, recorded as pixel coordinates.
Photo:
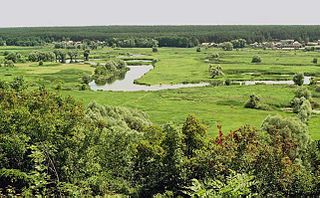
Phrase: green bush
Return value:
(256, 59)
(298, 79)
(154, 49)
(227, 82)
(254, 102)
(315, 61)
(303, 92)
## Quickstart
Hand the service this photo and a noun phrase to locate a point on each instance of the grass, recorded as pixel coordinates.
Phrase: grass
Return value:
(213, 105)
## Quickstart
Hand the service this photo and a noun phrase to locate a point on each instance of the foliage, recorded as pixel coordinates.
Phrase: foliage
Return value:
(256, 59)
(298, 79)
(315, 61)
(255, 103)
(239, 43)
(215, 71)
(237, 185)
(227, 46)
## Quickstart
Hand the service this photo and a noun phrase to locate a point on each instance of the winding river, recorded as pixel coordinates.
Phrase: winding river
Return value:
(136, 72)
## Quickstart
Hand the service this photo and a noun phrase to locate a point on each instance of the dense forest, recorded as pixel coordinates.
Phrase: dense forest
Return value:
(54, 146)
(167, 36)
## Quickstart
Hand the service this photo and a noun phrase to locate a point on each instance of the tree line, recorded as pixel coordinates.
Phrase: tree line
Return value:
(167, 36)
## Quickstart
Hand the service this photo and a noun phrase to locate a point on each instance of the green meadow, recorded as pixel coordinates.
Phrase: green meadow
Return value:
(213, 105)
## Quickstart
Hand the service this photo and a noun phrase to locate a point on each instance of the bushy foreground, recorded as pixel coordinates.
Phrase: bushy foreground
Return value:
(54, 146)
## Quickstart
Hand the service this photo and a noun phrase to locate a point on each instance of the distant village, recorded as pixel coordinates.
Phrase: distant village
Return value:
(289, 44)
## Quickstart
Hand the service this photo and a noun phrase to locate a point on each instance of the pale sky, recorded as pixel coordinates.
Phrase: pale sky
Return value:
(157, 12)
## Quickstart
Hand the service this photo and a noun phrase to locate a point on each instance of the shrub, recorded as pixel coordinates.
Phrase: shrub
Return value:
(154, 49)
(8, 63)
(254, 102)
(40, 63)
(256, 59)
(86, 79)
(215, 71)
(317, 89)
(305, 111)
(227, 46)
(198, 49)
(84, 87)
(301, 104)
(315, 61)
(227, 82)
(313, 81)
(58, 87)
(303, 92)
(298, 79)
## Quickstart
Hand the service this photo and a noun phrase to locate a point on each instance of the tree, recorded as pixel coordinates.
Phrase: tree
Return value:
(60, 55)
(86, 54)
(305, 110)
(315, 61)
(154, 49)
(73, 54)
(290, 131)
(8, 63)
(256, 59)
(255, 103)
(194, 135)
(298, 79)
(15, 57)
(227, 46)
(215, 71)
(174, 172)
(239, 43)
(303, 92)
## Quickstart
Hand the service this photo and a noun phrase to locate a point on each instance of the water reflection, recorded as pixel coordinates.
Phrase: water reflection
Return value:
(136, 72)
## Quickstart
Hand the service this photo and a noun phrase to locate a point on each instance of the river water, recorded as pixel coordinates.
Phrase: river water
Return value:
(136, 72)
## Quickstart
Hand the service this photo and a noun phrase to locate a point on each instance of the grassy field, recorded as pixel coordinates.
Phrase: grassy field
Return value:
(213, 105)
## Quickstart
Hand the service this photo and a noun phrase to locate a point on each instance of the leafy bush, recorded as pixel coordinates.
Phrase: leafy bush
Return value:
(301, 103)
(8, 63)
(40, 63)
(315, 61)
(313, 81)
(227, 82)
(305, 111)
(298, 79)
(215, 71)
(303, 92)
(154, 49)
(256, 59)
(255, 103)
(227, 46)
(198, 49)
(86, 79)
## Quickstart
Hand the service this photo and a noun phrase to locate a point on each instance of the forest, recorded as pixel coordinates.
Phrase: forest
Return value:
(167, 36)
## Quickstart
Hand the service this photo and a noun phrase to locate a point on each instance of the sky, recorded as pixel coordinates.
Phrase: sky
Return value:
(21, 13)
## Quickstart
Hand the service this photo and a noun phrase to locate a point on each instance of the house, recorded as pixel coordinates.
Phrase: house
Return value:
(296, 45)
(288, 44)
(312, 44)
